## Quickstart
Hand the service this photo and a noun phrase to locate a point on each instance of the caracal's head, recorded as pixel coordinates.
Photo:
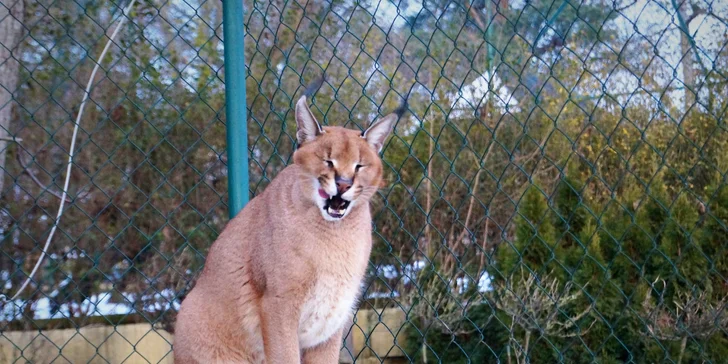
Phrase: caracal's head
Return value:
(343, 165)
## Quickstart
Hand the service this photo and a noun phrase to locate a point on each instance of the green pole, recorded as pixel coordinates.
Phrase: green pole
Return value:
(235, 105)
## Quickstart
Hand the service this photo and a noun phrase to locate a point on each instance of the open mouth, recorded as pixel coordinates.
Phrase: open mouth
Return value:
(335, 206)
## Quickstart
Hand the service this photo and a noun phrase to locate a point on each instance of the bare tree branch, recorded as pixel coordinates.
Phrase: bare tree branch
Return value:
(694, 315)
(28, 171)
(536, 304)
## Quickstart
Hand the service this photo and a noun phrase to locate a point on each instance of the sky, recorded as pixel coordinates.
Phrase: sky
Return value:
(655, 19)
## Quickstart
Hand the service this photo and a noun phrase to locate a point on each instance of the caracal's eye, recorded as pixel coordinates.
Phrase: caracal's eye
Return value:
(358, 167)
(329, 163)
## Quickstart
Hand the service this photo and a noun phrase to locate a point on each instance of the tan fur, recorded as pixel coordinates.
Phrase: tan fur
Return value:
(281, 281)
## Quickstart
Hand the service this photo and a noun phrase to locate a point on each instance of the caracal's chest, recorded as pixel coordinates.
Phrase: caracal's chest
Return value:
(331, 301)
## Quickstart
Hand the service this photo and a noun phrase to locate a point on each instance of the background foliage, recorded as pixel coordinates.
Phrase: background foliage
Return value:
(556, 191)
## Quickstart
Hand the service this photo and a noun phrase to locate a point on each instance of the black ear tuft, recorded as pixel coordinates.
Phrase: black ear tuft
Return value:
(313, 87)
(403, 107)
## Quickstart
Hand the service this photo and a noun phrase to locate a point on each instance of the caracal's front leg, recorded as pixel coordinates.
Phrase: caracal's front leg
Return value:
(279, 321)
(325, 353)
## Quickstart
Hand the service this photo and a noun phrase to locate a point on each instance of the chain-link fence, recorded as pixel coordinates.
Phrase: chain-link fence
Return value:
(556, 191)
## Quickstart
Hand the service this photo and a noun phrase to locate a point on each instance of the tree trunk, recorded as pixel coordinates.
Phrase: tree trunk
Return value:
(525, 349)
(10, 31)
(683, 343)
(688, 70)
(428, 191)
(687, 53)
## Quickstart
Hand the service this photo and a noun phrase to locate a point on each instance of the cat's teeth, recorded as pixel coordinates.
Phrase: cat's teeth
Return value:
(334, 211)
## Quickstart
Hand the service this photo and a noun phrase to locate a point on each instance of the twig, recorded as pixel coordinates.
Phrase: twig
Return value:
(475, 15)
(35, 179)
(428, 189)
(626, 6)
(11, 139)
(470, 206)
(485, 244)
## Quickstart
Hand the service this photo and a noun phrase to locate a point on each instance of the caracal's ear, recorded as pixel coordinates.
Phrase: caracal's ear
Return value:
(307, 126)
(378, 132)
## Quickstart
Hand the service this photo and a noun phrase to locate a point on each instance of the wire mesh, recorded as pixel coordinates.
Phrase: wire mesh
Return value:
(556, 190)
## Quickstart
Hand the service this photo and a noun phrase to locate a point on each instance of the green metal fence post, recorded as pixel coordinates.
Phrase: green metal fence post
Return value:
(235, 105)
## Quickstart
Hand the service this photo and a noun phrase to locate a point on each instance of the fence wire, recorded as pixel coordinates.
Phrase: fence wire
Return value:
(555, 192)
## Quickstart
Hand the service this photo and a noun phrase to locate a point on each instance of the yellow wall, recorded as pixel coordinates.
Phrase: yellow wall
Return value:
(140, 343)
(95, 344)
